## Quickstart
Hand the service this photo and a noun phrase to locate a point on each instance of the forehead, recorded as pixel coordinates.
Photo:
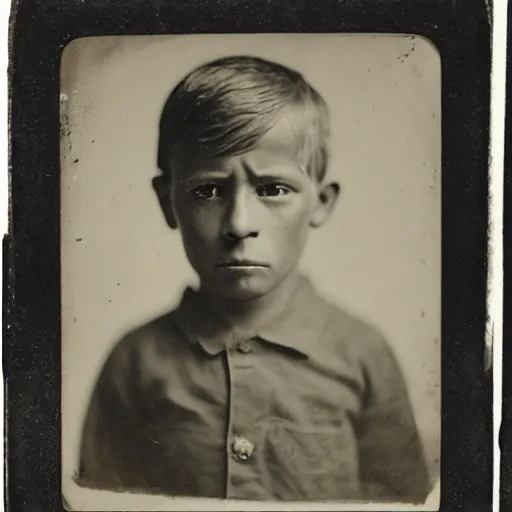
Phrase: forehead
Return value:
(278, 150)
(284, 138)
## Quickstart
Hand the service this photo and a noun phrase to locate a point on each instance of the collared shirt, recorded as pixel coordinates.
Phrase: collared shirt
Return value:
(313, 406)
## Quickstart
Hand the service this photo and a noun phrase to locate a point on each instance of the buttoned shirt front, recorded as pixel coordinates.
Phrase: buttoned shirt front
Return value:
(312, 406)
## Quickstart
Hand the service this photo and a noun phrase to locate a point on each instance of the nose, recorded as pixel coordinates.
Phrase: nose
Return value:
(240, 221)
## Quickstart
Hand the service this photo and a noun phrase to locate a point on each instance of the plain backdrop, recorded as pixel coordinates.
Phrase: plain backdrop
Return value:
(379, 255)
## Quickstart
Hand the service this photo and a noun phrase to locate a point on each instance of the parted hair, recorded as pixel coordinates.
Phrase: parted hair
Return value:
(222, 108)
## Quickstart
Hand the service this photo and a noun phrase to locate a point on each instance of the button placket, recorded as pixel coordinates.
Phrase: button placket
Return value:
(241, 447)
(243, 438)
(229, 469)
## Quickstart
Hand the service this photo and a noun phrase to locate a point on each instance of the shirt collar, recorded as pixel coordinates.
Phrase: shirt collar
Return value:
(298, 327)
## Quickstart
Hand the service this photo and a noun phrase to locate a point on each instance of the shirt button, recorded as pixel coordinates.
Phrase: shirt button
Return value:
(244, 347)
(242, 448)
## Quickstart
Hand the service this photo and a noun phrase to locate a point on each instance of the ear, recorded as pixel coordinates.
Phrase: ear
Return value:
(162, 188)
(327, 196)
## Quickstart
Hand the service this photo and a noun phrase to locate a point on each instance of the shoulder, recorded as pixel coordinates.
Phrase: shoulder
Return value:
(141, 347)
(354, 338)
(145, 336)
(362, 346)
(352, 330)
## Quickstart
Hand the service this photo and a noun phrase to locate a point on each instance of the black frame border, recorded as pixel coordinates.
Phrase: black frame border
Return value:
(39, 31)
(506, 424)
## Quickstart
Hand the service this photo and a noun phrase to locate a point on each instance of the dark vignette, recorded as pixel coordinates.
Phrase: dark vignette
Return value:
(38, 33)
(506, 425)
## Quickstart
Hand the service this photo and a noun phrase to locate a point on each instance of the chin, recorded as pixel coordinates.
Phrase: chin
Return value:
(244, 291)
(244, 288)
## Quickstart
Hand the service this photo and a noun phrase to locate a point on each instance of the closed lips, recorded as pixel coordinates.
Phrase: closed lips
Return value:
(242, 263)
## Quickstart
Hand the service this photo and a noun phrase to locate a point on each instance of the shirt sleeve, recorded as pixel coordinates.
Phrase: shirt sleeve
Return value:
(392, 461)
(109, 438)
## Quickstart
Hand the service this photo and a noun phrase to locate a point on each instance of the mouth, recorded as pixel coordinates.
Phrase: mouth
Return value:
(242, 264)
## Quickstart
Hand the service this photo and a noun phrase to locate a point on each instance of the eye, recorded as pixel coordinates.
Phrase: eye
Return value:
(207, 192)
(273, 190)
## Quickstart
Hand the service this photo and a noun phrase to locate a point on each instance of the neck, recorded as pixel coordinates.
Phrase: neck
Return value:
(251, 314)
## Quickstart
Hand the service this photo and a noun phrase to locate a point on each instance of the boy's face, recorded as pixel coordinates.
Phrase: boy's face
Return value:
(244, 219)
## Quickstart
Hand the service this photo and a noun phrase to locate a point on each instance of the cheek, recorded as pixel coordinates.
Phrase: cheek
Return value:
(198, 224)
(291, 226)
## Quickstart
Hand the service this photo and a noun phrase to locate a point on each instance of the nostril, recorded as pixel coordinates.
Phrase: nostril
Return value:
(234, 238)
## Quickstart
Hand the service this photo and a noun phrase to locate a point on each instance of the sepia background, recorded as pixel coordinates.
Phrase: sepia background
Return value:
(379, 256)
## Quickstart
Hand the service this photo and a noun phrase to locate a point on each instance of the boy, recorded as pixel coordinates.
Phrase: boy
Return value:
(255, 387)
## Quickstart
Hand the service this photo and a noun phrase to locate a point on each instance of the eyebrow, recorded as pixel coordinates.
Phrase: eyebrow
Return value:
(268, 173)
(207, 175)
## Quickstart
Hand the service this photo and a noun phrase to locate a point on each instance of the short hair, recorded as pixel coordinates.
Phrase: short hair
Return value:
(224, 107)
